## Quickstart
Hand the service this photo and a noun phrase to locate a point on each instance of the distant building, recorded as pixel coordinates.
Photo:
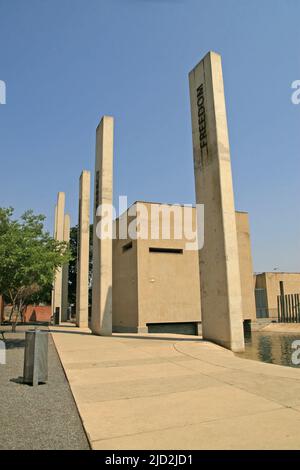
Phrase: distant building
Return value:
(268, 286)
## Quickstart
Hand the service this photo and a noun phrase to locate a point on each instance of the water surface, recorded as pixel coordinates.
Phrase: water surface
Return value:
(274, 348)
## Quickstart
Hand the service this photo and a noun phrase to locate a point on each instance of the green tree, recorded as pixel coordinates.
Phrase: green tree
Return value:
(29, 258)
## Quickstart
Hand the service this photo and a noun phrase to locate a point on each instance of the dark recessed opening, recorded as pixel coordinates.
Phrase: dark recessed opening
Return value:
(127, 247)
(182, 328)
(177, 251)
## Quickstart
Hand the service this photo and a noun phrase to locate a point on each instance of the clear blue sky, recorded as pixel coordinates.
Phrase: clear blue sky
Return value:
(68, 62)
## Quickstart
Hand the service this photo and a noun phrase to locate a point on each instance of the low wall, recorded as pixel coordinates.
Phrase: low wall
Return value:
(283, 327)
(39, 313)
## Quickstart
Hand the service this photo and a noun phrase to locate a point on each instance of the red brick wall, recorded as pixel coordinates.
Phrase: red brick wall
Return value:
(39, 313)
(32, 313)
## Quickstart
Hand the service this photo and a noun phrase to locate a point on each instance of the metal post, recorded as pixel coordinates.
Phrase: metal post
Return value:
(56, 316)
(278, 309)
(293, 309)
(36, 357)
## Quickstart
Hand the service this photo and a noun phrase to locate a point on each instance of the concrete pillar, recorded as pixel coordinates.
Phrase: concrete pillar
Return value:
(221, 301)
(59, 235)
(65, 272)
(101, 323)
(83, 245)
(54, 236)
(246, 265)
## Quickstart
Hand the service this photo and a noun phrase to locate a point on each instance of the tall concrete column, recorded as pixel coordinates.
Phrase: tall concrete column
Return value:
(102, 248)
(65, 272)
(221, 301)
(53, 287)
(59, 236)
(83, 244)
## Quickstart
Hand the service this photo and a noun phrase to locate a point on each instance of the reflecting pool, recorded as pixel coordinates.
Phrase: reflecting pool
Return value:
(274, 348)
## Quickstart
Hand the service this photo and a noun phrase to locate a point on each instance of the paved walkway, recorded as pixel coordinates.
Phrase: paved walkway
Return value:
(36, 418)
(173, 392)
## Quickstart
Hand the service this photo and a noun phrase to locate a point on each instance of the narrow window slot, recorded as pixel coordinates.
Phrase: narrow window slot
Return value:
(178, 251)
(127, 247)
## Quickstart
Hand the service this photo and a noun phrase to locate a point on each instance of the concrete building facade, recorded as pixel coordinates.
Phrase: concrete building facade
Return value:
(156, 280)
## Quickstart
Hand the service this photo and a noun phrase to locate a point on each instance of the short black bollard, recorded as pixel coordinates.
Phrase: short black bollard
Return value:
(36, 357)
(56, 316)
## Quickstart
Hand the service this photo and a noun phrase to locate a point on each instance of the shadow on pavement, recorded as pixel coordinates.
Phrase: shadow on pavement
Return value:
(64, 332)
(11, 343)
(160, 338)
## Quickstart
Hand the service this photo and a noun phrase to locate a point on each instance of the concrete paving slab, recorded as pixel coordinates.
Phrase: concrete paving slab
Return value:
(119, 374)
(143, 414)
(140, 388)
(176, 392)
(275, 430)
(282, 390)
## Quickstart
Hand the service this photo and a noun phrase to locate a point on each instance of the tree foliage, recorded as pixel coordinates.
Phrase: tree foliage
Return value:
(29, 258)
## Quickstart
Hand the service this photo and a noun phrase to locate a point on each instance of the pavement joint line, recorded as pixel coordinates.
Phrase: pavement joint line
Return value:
(234, 385)
(147, 396)
(151, 396)
(238, 368)
(187, 425)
